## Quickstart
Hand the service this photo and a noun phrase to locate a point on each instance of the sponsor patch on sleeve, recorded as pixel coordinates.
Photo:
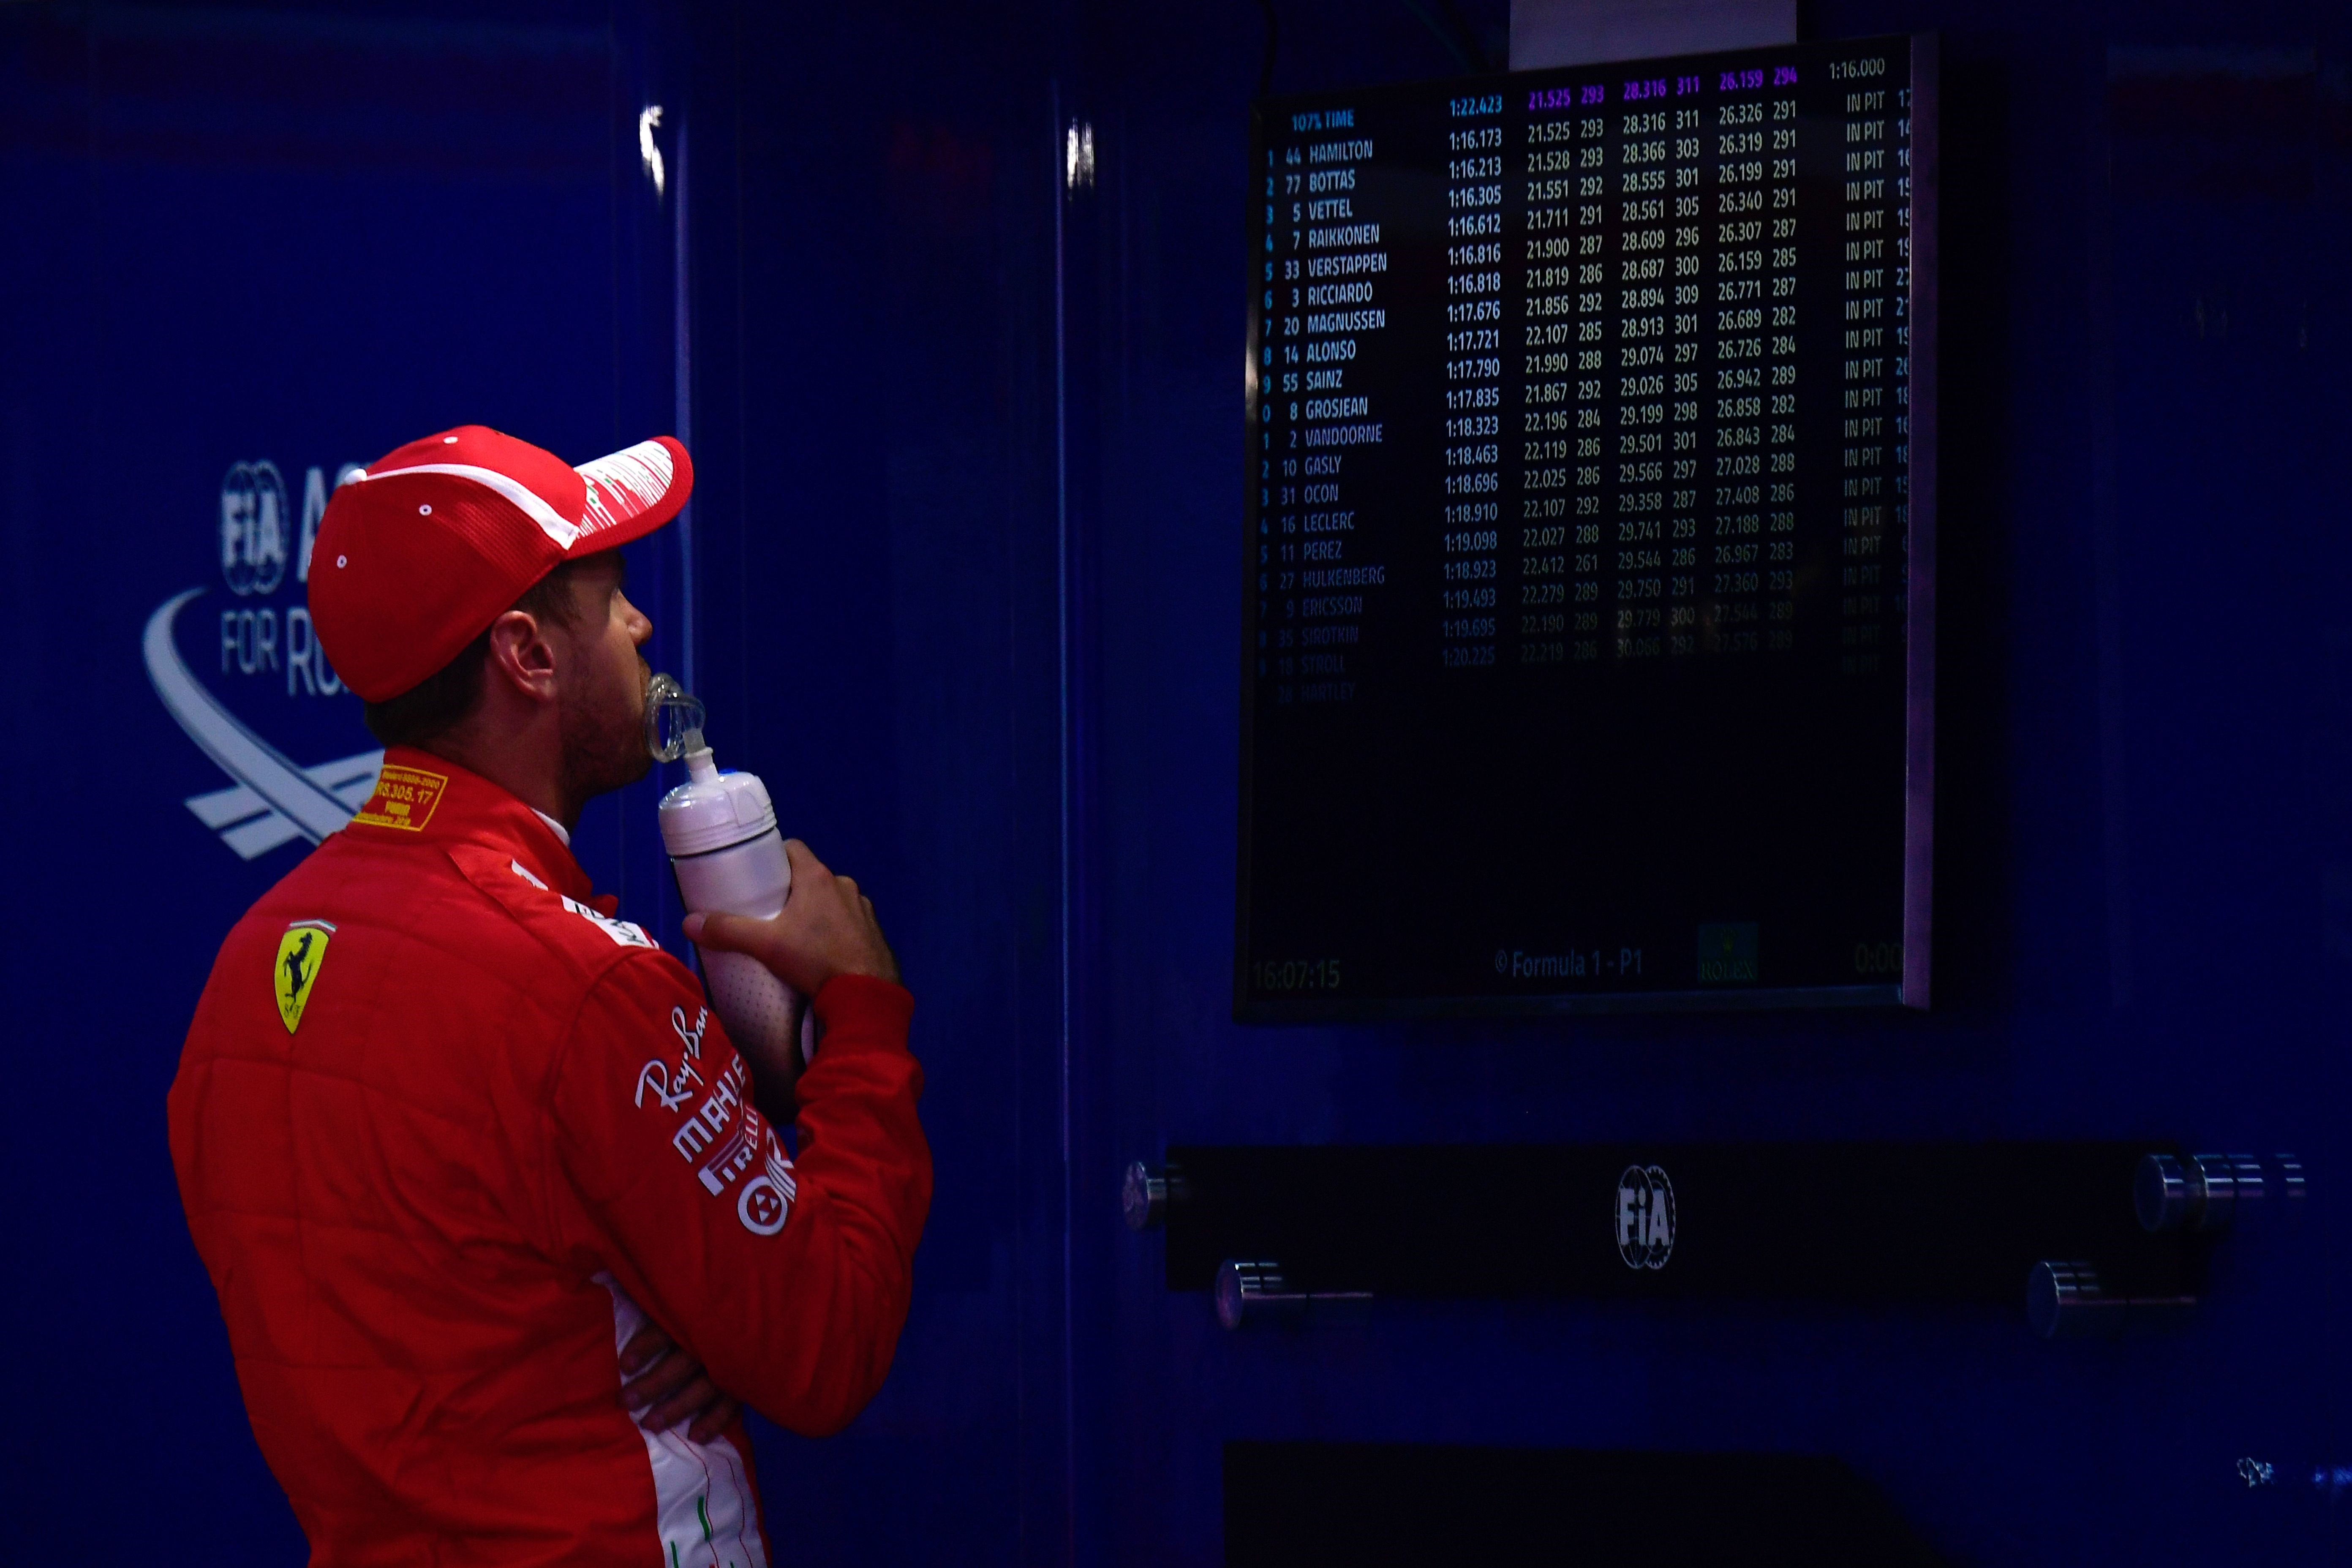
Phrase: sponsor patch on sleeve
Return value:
(766, 1201)
(724, 1138)
(301, 952)
(623, 933)
(670, 1086)
(403, 797)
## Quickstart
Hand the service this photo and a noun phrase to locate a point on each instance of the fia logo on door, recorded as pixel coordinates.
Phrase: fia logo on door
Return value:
(1645, 1218)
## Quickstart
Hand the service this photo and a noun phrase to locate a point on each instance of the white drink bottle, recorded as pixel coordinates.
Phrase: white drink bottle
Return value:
(719, 828)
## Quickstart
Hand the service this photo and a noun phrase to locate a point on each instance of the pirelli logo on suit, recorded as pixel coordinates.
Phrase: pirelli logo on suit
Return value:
(734, 1156)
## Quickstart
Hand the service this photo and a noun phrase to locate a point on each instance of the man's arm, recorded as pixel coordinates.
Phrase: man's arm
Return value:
(788, 1281)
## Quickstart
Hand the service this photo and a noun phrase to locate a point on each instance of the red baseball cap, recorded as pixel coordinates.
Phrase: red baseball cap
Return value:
(424, 548)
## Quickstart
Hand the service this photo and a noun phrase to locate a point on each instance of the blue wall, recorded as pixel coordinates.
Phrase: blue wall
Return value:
(874, 372)
(2142, 740)
(291, 236)
(962, 559)
(2139, 718)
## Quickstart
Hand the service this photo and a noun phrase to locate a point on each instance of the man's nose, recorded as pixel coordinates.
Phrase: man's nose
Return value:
(641, 627)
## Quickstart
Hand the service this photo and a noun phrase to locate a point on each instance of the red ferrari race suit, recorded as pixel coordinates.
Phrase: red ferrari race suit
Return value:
(447, 1132)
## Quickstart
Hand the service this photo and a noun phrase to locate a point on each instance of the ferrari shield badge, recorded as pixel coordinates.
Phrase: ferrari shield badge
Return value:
(300, 954)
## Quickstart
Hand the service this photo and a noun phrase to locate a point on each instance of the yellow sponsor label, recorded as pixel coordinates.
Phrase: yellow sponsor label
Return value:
(301, 952)
(403, 797)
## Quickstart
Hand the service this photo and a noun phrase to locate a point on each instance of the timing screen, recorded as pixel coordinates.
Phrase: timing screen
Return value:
(1576, 614)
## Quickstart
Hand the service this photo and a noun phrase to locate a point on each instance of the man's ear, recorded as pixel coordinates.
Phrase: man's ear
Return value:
(523, 657)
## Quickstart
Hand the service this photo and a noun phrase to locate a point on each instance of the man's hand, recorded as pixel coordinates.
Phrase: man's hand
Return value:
(827, 927)
(662, 1386)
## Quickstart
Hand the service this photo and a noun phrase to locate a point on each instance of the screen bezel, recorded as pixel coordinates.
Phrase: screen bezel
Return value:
(1917, 644)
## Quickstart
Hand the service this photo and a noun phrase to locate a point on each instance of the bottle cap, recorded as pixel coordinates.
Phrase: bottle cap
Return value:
(714, 810)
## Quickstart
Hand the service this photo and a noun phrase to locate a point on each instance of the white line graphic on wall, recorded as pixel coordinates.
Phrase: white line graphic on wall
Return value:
(273, 801)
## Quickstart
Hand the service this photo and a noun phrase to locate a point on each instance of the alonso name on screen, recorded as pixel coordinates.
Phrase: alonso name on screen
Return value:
(1588, 587)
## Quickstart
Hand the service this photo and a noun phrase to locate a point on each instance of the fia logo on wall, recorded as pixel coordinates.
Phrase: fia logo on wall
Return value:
(264, 545)
(253, 526)
(1645, 1218)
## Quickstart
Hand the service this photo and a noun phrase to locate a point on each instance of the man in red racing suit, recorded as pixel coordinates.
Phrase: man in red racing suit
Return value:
(449, 1134)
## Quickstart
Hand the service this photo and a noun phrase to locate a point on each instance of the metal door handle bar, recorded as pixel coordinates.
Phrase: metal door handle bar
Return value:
(2107, 1232)
(2209, 1193)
